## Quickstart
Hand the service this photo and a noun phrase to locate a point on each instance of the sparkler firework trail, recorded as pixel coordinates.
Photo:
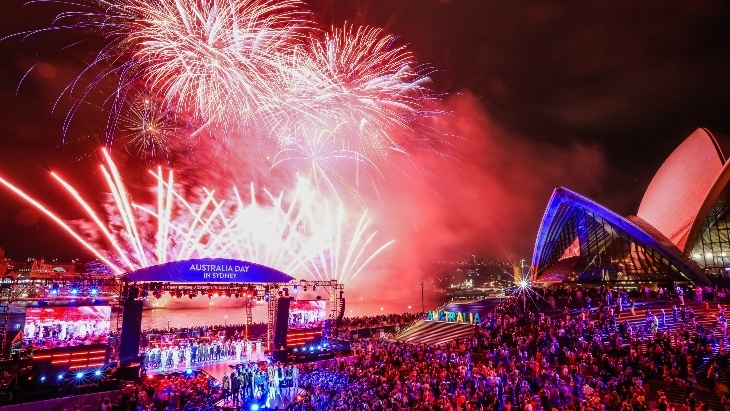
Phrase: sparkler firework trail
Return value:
(293, 234)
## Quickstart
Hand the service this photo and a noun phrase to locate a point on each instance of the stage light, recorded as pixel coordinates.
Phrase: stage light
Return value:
(311, 348)
(296, 288)
(95, 291)
(267, 297)
(79, 375)
(59, 377)
(523, 284)
(325, 344)
(43, 378)
(319, 347)
(97, 373)
(55, 288)
(188, 371)
(254, 407)
(74, 290)
(296, 349)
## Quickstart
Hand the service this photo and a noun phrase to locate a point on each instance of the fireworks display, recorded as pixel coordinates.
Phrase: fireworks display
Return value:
(330, 104)
(297, 234)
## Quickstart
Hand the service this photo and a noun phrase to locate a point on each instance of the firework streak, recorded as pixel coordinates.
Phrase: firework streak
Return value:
(294, 235)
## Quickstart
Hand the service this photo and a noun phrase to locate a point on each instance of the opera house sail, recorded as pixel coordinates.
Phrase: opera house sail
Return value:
(681, 232)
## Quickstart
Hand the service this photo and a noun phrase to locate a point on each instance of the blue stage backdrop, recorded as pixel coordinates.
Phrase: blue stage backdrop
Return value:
(209, 270)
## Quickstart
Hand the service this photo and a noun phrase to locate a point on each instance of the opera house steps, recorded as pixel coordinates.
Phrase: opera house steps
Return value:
(435, 333)
(675, 392)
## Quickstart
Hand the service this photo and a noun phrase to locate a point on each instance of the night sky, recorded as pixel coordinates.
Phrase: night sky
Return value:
(627, 79)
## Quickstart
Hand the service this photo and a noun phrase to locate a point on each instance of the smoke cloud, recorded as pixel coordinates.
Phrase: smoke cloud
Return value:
(483, 194)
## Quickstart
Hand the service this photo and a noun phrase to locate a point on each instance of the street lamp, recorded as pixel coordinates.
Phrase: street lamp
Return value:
(523, 287)
(423, 304)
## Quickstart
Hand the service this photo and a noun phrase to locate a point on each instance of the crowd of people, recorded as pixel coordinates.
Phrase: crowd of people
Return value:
(188, 353)
(591, 359)
(380, 320)
(56, 333)
(205, 329)
(261, 383)
(167, 393)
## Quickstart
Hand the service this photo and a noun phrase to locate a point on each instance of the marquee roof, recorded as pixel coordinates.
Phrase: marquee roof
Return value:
(209, 270)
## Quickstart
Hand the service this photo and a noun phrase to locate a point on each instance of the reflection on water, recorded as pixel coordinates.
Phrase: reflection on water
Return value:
(200, 312)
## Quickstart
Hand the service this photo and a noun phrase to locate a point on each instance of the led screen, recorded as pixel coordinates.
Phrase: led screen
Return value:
(51, 327)
(307, 313)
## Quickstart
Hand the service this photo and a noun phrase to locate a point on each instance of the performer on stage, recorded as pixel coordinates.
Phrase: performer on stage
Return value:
(295, 378)
(163, 359)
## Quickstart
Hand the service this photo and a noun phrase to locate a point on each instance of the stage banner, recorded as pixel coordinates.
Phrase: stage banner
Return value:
(210, 270)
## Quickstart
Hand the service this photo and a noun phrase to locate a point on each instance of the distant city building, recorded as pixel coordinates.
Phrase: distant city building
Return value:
(7, 266)
(681, 232)
(39, 268)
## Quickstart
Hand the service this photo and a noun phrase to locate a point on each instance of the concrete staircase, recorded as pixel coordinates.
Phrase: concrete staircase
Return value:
(434, 333)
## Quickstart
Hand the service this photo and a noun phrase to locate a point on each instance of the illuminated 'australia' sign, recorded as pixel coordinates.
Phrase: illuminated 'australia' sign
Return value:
(453, 317)
(210, 270)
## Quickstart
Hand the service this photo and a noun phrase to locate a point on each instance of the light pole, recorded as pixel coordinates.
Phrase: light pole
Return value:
(523, 287)
(423, 304)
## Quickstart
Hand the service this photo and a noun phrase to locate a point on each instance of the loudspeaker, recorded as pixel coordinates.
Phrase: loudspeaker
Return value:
(341, 313)
(282, 322)
(131, 331)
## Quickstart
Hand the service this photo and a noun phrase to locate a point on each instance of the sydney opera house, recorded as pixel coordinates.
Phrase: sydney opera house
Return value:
(680, 234)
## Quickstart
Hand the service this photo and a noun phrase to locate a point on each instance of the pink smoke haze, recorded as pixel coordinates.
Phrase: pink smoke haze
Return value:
(485, 195)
